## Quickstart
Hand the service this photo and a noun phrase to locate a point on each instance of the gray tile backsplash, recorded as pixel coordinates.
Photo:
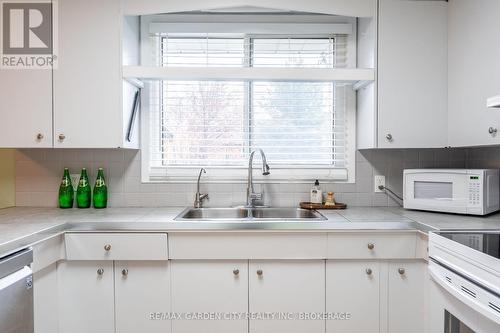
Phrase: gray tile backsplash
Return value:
(38, 173)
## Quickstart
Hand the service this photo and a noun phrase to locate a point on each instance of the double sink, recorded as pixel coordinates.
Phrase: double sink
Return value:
(256, 214)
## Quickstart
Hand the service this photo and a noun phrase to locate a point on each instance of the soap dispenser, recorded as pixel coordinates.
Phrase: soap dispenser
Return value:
(316, 194)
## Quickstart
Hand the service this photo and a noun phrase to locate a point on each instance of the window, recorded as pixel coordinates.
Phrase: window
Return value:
(304, 126)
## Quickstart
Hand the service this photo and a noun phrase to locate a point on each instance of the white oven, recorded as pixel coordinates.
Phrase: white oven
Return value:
(462, 191)
(464, 291)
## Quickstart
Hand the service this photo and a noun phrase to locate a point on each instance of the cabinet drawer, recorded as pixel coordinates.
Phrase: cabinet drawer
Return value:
(231, 245)
(116, 246)
(371, 245)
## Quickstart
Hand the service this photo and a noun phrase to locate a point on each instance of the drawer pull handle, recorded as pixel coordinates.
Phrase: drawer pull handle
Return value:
(107, 247)
(371, 246)
(369, 271)
(401, 271)
(236, 272)
(124, 272)
(260, 272)
(100, 271)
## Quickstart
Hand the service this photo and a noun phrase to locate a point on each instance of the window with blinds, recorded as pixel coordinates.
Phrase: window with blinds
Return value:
(218, 122)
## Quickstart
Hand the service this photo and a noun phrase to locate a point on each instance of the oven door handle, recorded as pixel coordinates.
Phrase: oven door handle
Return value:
(476, 306)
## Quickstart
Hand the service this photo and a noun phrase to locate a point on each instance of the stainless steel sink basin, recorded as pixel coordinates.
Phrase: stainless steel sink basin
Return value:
(249, 214)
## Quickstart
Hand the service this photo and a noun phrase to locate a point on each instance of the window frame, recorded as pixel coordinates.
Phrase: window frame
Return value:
(238, 174)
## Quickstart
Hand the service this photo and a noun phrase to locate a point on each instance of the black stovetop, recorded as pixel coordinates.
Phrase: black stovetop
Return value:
(486, 242)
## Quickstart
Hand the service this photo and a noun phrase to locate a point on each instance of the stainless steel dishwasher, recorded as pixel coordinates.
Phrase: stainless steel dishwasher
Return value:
(16, 293)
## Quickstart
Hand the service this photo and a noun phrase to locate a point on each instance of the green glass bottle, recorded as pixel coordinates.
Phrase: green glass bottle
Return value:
(66, 191)
(100, 197)
(83, 192)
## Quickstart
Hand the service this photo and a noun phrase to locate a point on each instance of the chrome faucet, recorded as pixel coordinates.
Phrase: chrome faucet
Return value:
(198, 199)
(251, 195)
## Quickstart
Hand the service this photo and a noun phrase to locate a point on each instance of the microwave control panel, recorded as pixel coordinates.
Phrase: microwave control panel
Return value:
(474, 190)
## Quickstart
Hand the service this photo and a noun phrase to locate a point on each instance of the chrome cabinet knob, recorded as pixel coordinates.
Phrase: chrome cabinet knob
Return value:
(39, 136)
(388, 137)
(401, 271)
(492, 130)
(100, 271)
(371, 246)
(124, 272)
(107, 247)
(369, 271)
(236, 272)
(260, 272)
(62, 137)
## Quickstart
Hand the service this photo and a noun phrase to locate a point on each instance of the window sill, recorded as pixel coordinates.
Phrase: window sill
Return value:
(240, 175)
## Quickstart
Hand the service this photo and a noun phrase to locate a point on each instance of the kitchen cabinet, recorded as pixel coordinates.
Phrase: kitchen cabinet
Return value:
(86, 298)
(142, 288)
(409, 99)
(406, 298)
(473, 69)
(353, 287)
(88, 81)
(213, 286)
(26, 109)
(287, 287)
(45, 307)
(82, 102)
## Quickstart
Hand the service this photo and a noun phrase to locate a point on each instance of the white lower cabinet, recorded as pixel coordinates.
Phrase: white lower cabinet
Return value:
(86, 298)
(287, 287)
(353, 288)
(142, 296)
(406, 297)
(44, 300)
(209, 287)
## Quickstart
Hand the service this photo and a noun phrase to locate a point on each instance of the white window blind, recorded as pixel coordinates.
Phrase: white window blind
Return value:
(217, 123)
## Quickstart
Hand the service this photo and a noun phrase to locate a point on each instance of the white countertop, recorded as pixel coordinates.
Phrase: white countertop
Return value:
(21, 226)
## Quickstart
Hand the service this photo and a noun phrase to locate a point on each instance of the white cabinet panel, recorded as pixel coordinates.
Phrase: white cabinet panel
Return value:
(87, 82)
(115, 246)
(288, 287)
(209, 287)
(86, 298)
(229, 245)
(362, 245)
(45, 300)
(474, 71)
(142, 288)
(412, 74)
(26, 108)
(406, 297)
(353, 287)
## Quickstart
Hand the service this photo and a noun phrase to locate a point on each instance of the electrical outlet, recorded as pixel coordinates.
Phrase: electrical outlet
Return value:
(75, 178)
(379, 181)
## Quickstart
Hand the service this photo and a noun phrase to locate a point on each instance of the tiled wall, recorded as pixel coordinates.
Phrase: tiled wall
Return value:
(38, 173)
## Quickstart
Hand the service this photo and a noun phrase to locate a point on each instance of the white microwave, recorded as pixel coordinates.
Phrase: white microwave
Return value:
(461, 191)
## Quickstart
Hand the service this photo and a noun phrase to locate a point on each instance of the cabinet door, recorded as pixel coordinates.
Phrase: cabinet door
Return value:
(26, 108)
(212, 287)
(473, 69)
(406, 297)
(353, 288)
(290, 288)
(86, 298)
(44, 300)
(87, 82)
(142, 288)
(412, 74)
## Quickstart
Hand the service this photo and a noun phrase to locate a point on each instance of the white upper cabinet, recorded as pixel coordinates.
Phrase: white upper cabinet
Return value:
(474, 72)
(25, 108)
(88, 86)
(412, 74)
(82, 102)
